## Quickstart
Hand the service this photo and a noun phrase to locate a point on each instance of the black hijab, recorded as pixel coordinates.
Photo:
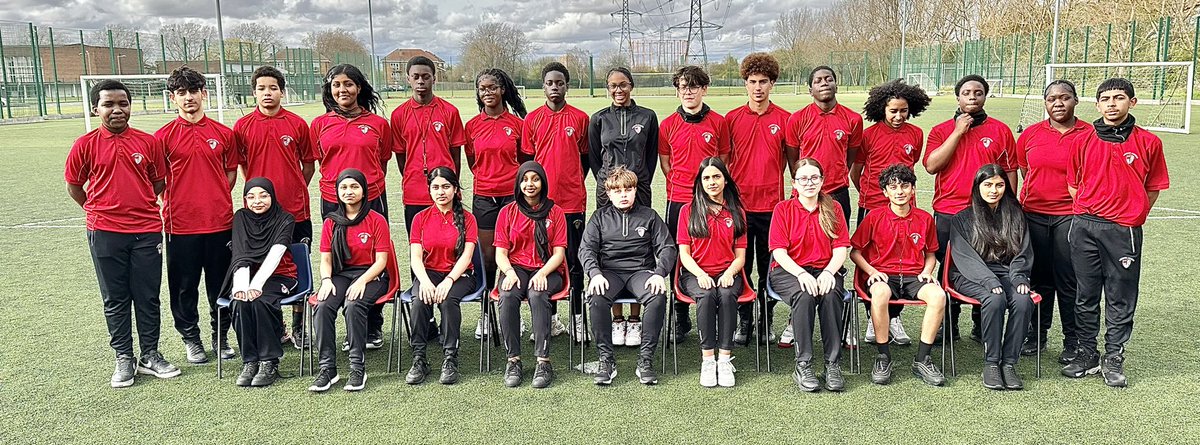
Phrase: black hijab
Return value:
(977, 118)
(1114, 133)
(254, 234)
(340, 247)
(538, 215)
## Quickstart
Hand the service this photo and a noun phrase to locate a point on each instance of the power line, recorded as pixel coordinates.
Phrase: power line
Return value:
(697, 50)
(626, 32)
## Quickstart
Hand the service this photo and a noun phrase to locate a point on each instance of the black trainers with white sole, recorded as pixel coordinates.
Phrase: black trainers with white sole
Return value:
(124, 371)
(154, 364)
(326, 377)
(357, 380)
(195, 352)
(1086, 363)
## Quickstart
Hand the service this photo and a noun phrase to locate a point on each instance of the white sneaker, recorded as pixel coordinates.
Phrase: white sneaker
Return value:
(557, 327)
(479, 327)
(870, 331)
(787, 337)
(898, 335)
(633, 333)
(618, 333)
(579, 333)
(708, 372)
(725, 372)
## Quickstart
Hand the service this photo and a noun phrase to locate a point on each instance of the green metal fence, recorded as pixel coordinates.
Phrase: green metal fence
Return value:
(40, 66)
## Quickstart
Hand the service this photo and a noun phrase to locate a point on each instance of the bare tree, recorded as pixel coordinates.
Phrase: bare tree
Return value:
(335, 41)
(499, 45)
(187, 41)
(256, 33)
(577, 61)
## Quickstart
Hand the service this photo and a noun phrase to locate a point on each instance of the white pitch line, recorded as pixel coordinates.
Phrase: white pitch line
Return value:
(45, 227)
(38, 223)
(1194, 212)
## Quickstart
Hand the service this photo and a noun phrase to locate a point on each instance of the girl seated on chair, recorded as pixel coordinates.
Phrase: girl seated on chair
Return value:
(531, 245)
(261, 274)
(357, 270)
(991, 258)
(441, 248)
(809, 244)
(712, 251)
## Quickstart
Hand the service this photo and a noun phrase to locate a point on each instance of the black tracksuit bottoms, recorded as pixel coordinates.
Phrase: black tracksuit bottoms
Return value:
(1002, 340)
(943, 223)
(1053, 276)
(806, 307)
(716, 310)
(539, 307)
(129, 271)
(187, 257)
(380, 206)
(758, 229)
(258, 322)
(356, 320)
(683, 319)
(421, 315)
(622, 285)
(1108, 260)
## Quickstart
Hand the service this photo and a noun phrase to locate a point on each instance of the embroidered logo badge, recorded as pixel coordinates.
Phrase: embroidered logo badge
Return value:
(641, 231)
(707, 137)
(774, 128)
(728, 222)
(916, 238)
(137, 158)
(987, 142)
(1126, 262)
(637, 128)
(287, 140)
(570, 131)
(283, 288)
(547, 223)
(578, 224)
(839, 134)
(212, 144)
(363, 237)
(437, 126)
(908, 148)
(1129, 158)
(364, 128)
(508, 131)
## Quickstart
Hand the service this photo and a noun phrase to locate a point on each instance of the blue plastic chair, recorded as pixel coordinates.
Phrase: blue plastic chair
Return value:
(406, 298)
(847, 299)
(304, 288)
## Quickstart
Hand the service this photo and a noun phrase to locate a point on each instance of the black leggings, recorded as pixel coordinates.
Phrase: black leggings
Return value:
(539, 308)
(716, 310)
(421, 315)
(259, 321)
(356, 320)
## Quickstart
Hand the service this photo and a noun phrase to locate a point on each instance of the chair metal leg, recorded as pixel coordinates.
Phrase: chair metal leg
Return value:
(856, 354)
(948, 338)
(671, 333)
(486, 332)
(217, 346)
(770, 329)
(754, 321)
(391, 346)
(570, 337)
(583, 339)
(1039, 340)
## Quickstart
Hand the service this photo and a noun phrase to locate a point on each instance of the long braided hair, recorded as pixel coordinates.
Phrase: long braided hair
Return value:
(460, 218)
(508, 91)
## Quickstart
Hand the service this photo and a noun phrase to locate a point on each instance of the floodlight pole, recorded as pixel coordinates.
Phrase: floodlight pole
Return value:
(1054, 39)
(371, 26)
(221, 37)
(903, 31)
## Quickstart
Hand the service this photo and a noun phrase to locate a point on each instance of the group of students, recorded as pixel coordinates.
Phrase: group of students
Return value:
(726, 215)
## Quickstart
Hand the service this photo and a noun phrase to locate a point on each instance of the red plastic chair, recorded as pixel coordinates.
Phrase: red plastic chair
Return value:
(952, 294)
(861, 289)
(748, 296)
(393, 273)
(563, 294)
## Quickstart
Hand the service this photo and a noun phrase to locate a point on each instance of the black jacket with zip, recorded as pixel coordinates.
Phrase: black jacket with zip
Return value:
(625, 136)
(627, 242)
(968, 264)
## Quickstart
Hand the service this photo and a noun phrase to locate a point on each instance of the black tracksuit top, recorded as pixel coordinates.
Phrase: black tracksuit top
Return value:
(625, 136)
(627, 242)
(971, 266)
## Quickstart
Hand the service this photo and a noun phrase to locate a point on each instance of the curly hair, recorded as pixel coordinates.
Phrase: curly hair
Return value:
(875, 108)
(760, 63)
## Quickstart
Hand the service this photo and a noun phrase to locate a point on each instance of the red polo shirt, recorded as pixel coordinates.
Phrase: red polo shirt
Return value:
(557, 140)
(884, 146)
(493, 142)
(799, 231)
(120, 171)
(686, 145)
(514, 231)
(273, 147)
(363, 142)
(896, 244)
(424, 135)
(437, 235)
(365, 239)
(199, 156)
(1044, 153)
(757, 159)
(826, 137)
(1112, 178)
(990, 143)
(712, 254)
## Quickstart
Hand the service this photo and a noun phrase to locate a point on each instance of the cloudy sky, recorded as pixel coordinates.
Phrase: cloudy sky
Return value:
(437, 25)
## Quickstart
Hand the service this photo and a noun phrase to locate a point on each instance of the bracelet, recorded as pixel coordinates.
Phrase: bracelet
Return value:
(326, 279)
(828, 272)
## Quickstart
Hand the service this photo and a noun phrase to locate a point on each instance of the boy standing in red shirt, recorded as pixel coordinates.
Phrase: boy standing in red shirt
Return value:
(197, 212)
(828, 132)
(123, 170)
(1115, 174)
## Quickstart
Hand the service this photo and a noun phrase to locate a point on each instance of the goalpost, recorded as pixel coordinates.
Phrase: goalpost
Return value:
(150, 94)
(1163, 90)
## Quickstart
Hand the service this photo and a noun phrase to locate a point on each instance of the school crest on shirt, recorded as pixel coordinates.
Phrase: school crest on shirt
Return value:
(987, 142)
(707, 137)
(1126, 262)
(547, 223)
(363, 237)
(728, 222)
(137, 158)
(641, 231)
(437, 126)
(637, 128)
(212, 144)
(908, 148)
(508, 131)
(364, 128)
(570, 131)
(916, 238)
(1129, 158)
(286, 140)
(839, 134)
(774, 128)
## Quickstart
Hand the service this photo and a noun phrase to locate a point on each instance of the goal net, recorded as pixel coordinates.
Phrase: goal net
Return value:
(1163, 90)
(150, 95)
(922, 81)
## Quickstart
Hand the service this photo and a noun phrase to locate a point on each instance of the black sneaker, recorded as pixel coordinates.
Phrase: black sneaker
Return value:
(543, 374)
(418, 371)
(357, 380)
(742, 336)
(300, 339)
(268, 373)
(1032, 347)
(223, 349)
(805, 378)
(512, 374)
(1067, 356)
(682, 328)
(992, 378)
(195, 352)
(124, 371)
(881, 373)
(833, 377)
(606, 372)
(449, 370)
(154, 364)
(1084, 364)
(375, 340)
(645, 372)
(928, 372)
(1113, 370)
(249, 370)
(976, 336)
(1012, 381)
(326, 377)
